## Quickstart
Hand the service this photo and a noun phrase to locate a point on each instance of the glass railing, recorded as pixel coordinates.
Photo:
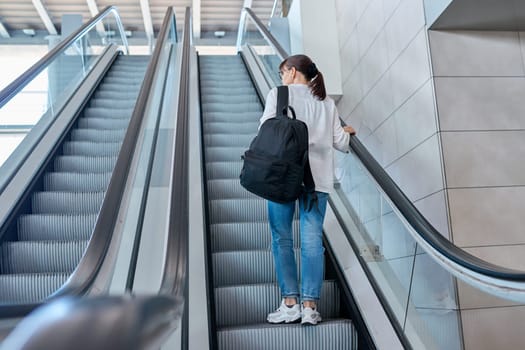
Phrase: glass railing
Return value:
(419, 292)
(253, 34)
(34, 99)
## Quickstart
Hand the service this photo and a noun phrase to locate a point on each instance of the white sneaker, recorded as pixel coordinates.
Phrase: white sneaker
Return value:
(310, 316)
(285, 314)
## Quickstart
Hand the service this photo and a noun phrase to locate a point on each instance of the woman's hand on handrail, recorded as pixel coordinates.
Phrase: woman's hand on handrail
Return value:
(349, 129)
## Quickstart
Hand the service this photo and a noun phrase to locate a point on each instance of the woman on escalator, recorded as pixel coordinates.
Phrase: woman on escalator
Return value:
(307, 95)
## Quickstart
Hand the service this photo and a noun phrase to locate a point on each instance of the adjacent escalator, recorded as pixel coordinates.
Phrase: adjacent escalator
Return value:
(43, 244)
(245, 288)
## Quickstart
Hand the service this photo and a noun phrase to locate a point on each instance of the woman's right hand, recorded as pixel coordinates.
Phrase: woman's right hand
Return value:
(349, 130)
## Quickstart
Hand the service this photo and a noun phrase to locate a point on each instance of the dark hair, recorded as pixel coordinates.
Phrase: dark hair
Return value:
(304, 64)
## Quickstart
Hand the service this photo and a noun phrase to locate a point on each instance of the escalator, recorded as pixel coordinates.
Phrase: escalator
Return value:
(244, 282)
(44, 243)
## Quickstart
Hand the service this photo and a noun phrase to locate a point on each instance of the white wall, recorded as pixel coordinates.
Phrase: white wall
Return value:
(388, 96)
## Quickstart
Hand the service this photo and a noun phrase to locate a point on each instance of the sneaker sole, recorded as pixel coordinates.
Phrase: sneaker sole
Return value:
(310, 322)
(285, 321)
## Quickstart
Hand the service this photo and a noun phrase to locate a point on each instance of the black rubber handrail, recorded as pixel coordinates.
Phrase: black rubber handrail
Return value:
(19, 83)
(107, 322)
(266, 34)
(175, 270)
(175, 275)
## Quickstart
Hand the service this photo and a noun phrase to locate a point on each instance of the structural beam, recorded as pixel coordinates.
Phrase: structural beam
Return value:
(44, 15)
(196, 18)
(3, 31)
(93, 8)
(148, 23)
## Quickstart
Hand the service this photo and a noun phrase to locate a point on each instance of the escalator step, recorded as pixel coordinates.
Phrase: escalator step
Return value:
(225, 85)
(223, 140)
(83, 148)
(102, 113)
(100, 123)
(231, 117)
(234, 91)
(237, 210)
(93, 135)
(119, 95)
(328, 335)
(224, 154)
(76, 182)
(233, 128)
(245, 236)
(66, 202)
(221, 98)
(41, 257)
(226, 107)
(29, 288)
(250, 304)
(55, 227)
(223, 170)
(227, 189)
(82, 164)
(112, 104)
(245, 267)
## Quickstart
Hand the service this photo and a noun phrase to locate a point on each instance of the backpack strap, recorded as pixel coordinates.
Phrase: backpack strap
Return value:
(282, 101)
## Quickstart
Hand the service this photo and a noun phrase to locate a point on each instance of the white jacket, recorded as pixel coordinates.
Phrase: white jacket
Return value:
(324, 130)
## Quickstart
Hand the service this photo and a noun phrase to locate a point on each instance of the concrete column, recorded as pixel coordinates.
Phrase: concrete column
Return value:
(313, 32)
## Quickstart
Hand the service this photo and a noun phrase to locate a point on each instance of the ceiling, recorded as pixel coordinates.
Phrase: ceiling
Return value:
(45, 16)
(485, 15)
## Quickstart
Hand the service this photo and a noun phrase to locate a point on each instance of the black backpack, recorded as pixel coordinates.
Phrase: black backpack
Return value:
(276, 164)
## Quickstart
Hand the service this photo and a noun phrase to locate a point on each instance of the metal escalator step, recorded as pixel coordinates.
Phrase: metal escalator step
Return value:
(109, 87)
(101, 112)
(231, 107)
(94, 135)
(210, 90)
(227, 188)
(257, 300)
(230, 128)
(100, 123)
(231, 98)
(55, 227)
(112, 104)
(328, 335)
(246, 267)
(230, 116)
(223, 154)
(238, 210)
(76, 182)
(245, 236)
(127, 79)
(224, 85)
(66, 202)
(41, 257)
(84, 148)
(83, 164)
(223, 170)
(224, 76)
(29, 288)
(119, 95)
(221, 140)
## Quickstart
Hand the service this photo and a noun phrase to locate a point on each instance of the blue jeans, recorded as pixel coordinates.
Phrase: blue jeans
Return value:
(312, 251)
